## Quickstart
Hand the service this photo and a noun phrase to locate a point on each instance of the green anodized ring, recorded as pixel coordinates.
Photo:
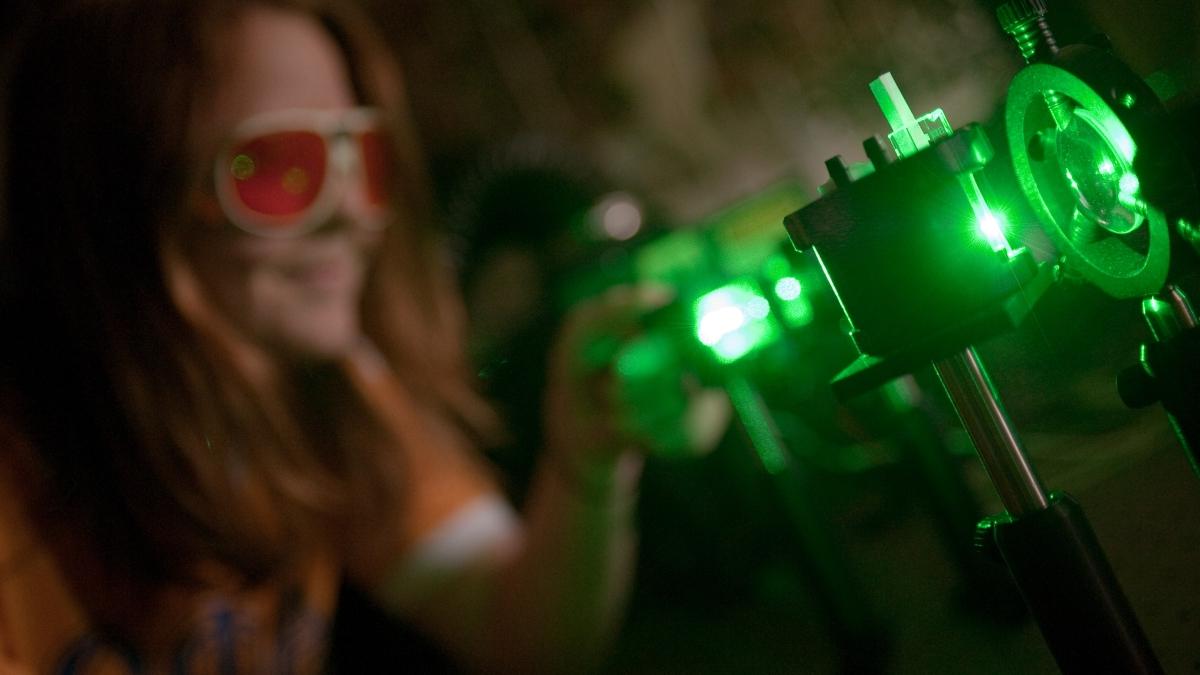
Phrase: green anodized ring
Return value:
(1077, 173)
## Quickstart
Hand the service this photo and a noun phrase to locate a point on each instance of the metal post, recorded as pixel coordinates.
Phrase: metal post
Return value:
(986, 422)
(1047, 543)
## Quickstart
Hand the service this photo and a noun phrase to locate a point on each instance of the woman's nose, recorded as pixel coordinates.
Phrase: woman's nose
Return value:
(355, 203)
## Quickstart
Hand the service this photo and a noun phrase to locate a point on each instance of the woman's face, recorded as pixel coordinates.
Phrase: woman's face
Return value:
(299, 297)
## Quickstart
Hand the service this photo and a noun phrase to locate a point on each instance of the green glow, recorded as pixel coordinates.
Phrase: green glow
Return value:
(1083, 209)
(1190, 232)
(1153, 305)
(758, 308)
(797, 313)
(1130, 184)
(1099, 187)
(935, 124)
(777, 267)
(715, 324)
(764, 437)
(242, 167)
(745, 233)
(733, 347)
(1163, 85)
(794, 309)
(672, 258)
(992, 227)
(787, 288)
(891, 102)
(1113, 131)
(909, 134)
(295, 180)
(734, 320)
(1129, 100)
(645, 357)
(986, 222)
(599, 351)
(1071, 179)
(1128, 195)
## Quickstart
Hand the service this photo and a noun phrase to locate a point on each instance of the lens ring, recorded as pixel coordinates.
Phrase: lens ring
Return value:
(1103, 256)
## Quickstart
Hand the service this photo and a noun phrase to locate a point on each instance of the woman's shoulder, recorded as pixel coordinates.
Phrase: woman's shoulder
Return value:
(443, 476)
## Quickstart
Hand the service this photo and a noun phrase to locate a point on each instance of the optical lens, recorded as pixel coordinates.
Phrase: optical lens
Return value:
(1101, 179)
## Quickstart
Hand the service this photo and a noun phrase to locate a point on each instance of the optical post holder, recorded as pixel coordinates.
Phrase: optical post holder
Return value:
(902, 250)
(922, 271)
(1168, 370)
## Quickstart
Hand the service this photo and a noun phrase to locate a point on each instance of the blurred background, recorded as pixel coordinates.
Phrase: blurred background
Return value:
(576, 143)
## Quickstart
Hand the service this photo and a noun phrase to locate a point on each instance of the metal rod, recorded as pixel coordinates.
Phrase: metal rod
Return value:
(1180, 306)
(759, 425)
(1168, 314)
(986, 422)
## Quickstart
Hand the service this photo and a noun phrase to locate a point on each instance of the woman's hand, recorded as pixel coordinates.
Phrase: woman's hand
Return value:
(617, 388)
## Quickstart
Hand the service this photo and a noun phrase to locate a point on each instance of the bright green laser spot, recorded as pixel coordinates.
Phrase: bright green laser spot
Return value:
(758, 308)
(715, 324)
(787, 289)
(992, 227)
(1071, 179)
(1129, 100)
(1106, 168)
(734, 320)
(733, 347)
(988, 223)
(1130, 184)
(1113, 130)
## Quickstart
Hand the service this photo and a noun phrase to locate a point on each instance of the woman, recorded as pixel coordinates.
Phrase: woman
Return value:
(233, 371)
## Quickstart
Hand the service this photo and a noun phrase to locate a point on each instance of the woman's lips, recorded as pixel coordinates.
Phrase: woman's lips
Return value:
(327, 275)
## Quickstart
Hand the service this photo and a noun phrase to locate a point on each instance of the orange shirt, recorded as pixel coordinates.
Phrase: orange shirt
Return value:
(279, 628)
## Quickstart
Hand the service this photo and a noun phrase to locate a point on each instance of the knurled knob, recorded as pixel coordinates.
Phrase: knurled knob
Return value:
(985, 536)
(1013, 13)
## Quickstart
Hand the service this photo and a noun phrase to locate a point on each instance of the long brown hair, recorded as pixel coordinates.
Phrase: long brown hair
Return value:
(159, 435)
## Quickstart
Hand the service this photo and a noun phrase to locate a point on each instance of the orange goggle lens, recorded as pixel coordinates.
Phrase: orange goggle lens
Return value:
(280, 176)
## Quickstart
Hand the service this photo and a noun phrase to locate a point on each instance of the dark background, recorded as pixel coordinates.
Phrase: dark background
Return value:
(694, 104)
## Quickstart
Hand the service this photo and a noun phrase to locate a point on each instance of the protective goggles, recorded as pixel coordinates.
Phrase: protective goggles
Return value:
(286, 172)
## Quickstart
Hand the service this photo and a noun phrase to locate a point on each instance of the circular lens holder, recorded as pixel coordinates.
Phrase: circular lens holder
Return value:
(1086, 152)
